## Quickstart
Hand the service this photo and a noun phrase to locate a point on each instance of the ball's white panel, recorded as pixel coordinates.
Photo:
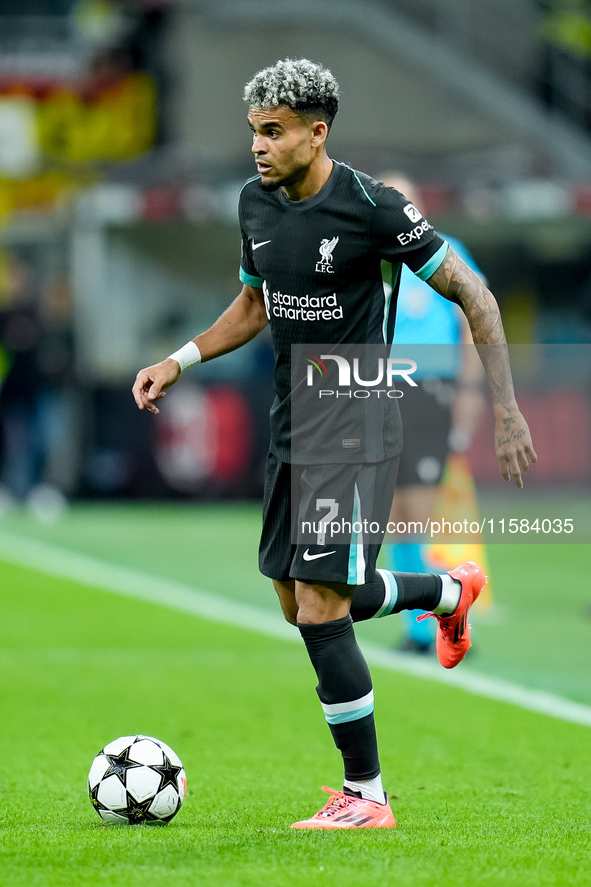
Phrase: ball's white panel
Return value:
(182, 783)
(146, 751)
(165, 803)
(97, 770)
(142, 783)
(118, 745)
(111, 793)
(116, 818)
(172, 755)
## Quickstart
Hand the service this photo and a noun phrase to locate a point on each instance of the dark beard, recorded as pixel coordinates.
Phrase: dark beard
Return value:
(270, 186)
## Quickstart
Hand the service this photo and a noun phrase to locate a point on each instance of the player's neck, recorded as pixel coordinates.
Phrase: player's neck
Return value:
(315, 178)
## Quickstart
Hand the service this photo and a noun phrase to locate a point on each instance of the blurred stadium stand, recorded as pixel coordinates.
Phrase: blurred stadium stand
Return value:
(123, 146)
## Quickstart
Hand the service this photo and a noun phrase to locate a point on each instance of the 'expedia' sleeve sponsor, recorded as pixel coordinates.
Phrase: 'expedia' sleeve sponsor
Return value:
(401, 234)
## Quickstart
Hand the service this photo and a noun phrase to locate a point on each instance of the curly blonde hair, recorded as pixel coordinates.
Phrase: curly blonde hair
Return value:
(302, 85)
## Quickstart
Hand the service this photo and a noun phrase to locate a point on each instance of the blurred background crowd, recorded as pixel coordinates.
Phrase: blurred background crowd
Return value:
(123, 147)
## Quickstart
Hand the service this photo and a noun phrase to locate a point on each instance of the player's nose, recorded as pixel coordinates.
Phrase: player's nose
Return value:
(259, 145)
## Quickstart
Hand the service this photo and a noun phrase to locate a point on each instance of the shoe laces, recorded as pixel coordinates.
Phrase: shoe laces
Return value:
(338, 802)
(444, 621)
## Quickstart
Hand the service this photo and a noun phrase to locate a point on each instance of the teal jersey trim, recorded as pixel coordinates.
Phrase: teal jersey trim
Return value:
(390, 275)
(430, 267)
(356, 574)
(249, 280)
(248, 181)
(360, 183)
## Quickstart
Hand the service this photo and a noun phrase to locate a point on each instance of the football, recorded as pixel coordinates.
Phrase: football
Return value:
(137, 779)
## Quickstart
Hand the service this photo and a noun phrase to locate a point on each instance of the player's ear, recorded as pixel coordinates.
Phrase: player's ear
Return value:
(319, 133)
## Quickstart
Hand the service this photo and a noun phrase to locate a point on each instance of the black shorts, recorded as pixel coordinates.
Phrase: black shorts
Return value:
(325, 523)
(426, 413)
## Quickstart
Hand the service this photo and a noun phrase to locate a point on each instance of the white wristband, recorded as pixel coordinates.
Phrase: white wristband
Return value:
(187, 356)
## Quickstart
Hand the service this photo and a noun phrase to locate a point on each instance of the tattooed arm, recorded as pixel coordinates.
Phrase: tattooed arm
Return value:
(457, 282)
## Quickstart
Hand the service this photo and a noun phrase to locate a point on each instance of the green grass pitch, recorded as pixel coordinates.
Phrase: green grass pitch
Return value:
(484, 793)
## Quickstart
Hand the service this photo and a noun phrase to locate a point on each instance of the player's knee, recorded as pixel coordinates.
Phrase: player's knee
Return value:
(286, 594)
(290, 615)
(319, 603)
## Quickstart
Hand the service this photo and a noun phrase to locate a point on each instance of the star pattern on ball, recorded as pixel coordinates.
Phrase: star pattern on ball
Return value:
(168, 773)
(114, 795)
(119, 765)
(138, 811)
(93, 792)
(98, 805)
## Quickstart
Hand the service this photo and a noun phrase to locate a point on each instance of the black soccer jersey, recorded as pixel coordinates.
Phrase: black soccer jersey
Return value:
(320, 264)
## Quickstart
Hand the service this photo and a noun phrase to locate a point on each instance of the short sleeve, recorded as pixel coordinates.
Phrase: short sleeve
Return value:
(401, 234)
(248, 271)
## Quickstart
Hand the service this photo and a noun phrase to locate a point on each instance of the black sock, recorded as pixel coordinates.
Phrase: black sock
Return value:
(346, 694)
(368, 600)
(417, 591)
(410, 591)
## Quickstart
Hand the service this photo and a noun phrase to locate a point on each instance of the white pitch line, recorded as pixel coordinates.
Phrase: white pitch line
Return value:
(65, 564)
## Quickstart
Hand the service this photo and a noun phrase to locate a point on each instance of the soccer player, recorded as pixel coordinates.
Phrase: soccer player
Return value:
(314, 234)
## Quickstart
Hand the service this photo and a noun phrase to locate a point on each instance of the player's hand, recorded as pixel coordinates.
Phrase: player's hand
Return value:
(513, 444)
(151, 382)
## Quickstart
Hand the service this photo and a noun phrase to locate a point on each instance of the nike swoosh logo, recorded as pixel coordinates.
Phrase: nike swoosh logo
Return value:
(256, 245)
(314, 557)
